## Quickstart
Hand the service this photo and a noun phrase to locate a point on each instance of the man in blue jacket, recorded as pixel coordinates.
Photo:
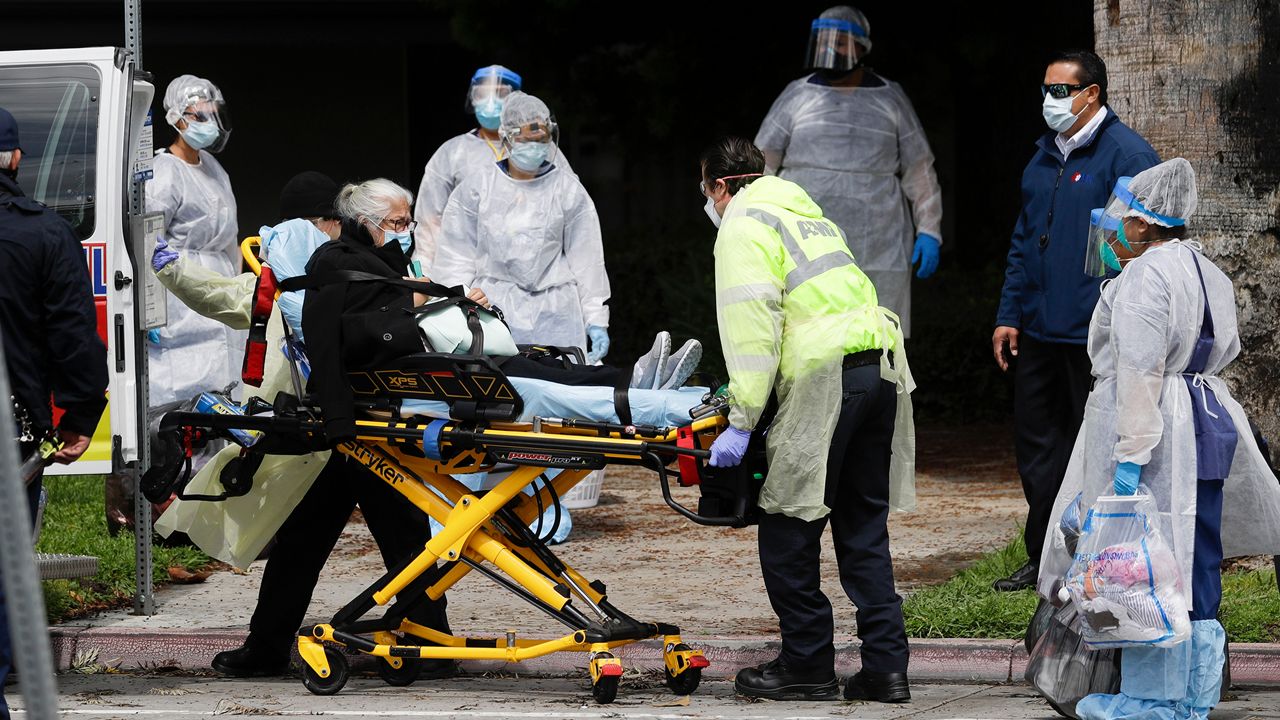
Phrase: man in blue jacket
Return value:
(1047, 299)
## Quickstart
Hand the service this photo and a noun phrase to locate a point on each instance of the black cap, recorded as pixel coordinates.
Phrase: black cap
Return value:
(9, 132)
(308, 194)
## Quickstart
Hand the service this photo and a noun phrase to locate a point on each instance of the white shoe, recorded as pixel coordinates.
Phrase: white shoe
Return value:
(681, 365)
(651, 366)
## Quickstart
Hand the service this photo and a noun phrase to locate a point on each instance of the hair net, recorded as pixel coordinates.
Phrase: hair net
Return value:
(186, 90)
(1167, 190)
(853, 15)
(370, 200)
(520, 110)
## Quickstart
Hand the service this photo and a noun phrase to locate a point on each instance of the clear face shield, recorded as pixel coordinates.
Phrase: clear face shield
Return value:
(207, 123)
(489, 89)
(531, 144)
(834, 45)
(1106, 228)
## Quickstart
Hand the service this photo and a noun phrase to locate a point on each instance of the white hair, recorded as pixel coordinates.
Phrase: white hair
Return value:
(370, 200)
(6, 158)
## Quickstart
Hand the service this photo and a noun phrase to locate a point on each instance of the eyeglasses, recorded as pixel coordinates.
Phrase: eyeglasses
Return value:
(1060, 90)
(198, 115)
(400, 224)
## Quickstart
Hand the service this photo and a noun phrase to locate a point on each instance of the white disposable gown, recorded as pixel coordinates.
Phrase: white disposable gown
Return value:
(862, 155)
(534, 247)
(194, 353)
(1141, 337)
(456, 160)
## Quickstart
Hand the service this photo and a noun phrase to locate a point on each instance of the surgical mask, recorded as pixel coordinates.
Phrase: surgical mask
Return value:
(489, 114)
(200, 135)
(404, 238)
(710, 209)
(1057, 112)
(1109, 257)
(529, 156)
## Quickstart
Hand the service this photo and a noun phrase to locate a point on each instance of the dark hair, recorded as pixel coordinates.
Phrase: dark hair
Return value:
(732, 156)
(1090, 69)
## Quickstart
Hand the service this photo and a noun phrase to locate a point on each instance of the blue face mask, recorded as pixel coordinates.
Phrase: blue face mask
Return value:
(489, 114)
(529, 156)
(404, 238)
(200, 135)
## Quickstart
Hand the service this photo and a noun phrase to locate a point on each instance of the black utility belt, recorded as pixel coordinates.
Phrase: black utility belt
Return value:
(864, 358)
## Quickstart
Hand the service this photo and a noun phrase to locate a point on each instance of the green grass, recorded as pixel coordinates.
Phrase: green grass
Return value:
(966, 606)
(75, 523)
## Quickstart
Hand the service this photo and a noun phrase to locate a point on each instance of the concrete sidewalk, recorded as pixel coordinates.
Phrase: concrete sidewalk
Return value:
(658, 567)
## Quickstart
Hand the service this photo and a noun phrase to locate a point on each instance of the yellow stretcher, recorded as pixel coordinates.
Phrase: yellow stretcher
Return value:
(486, 532)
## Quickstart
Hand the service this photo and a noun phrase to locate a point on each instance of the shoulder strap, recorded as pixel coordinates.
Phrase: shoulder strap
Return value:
(310, 281)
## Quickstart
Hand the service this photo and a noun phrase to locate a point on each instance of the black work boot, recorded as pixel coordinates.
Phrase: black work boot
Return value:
(1021, 579)
(251, 660)
(881, 687)
(775, 681)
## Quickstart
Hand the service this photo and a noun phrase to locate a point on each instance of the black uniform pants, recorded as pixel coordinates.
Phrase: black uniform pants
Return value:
(1050, 386)
(858, 495)
(309, 534)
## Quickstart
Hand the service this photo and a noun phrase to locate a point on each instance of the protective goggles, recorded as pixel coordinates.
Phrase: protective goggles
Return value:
(702, 184)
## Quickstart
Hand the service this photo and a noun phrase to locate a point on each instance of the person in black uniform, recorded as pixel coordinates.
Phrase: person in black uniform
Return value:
(49, 330)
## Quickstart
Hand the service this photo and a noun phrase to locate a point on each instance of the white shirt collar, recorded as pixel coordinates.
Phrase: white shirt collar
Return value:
(1081, 138)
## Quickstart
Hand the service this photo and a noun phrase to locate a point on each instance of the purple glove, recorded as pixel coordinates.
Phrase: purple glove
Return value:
(728, 449)
(162, 255)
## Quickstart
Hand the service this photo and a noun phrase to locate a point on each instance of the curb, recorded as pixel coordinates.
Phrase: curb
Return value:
(950, 660)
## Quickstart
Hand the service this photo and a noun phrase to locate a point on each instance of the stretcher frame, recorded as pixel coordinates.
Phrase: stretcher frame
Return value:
(486, 532)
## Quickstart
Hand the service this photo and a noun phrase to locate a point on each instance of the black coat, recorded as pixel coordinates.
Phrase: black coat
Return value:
(47, 316)
(353, 326)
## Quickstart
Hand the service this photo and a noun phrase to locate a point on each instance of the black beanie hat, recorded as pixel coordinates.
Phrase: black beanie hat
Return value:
(308, 194)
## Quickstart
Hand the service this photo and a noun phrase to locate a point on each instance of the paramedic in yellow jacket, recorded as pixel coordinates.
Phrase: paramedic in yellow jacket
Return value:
(800, 322)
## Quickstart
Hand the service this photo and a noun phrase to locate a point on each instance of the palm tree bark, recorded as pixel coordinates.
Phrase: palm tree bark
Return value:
(1200, 79)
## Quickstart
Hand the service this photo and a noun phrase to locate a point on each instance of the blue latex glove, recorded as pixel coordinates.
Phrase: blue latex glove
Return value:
(153, 336)
(728, 449)
(599, 343)
(926, 253)
(1127, 476)
(162, 255)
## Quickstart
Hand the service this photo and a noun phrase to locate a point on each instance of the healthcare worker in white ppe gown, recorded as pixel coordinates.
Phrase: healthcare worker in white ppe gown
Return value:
(526, 231)
(852, 140)
(460, 157)
(191, 353)
(1160, 418)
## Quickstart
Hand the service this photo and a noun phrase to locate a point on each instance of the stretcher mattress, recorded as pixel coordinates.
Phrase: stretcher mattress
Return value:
(661, 408)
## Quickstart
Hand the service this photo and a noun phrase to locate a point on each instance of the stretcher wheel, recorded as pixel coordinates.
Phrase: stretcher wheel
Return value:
(605, 690)
(339, 671)
(406, 674)
(686, 682)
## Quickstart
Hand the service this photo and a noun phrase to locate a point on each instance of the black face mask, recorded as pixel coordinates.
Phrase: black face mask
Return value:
(830, 76)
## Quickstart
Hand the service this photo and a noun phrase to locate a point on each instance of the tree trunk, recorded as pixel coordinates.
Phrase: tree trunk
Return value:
(1200, 79)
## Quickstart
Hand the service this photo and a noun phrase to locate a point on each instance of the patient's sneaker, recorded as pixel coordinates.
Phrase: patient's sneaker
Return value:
(681, 365)
(651, 366)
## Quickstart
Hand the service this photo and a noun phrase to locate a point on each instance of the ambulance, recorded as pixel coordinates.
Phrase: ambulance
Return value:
(83, 116)
(84, 121)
